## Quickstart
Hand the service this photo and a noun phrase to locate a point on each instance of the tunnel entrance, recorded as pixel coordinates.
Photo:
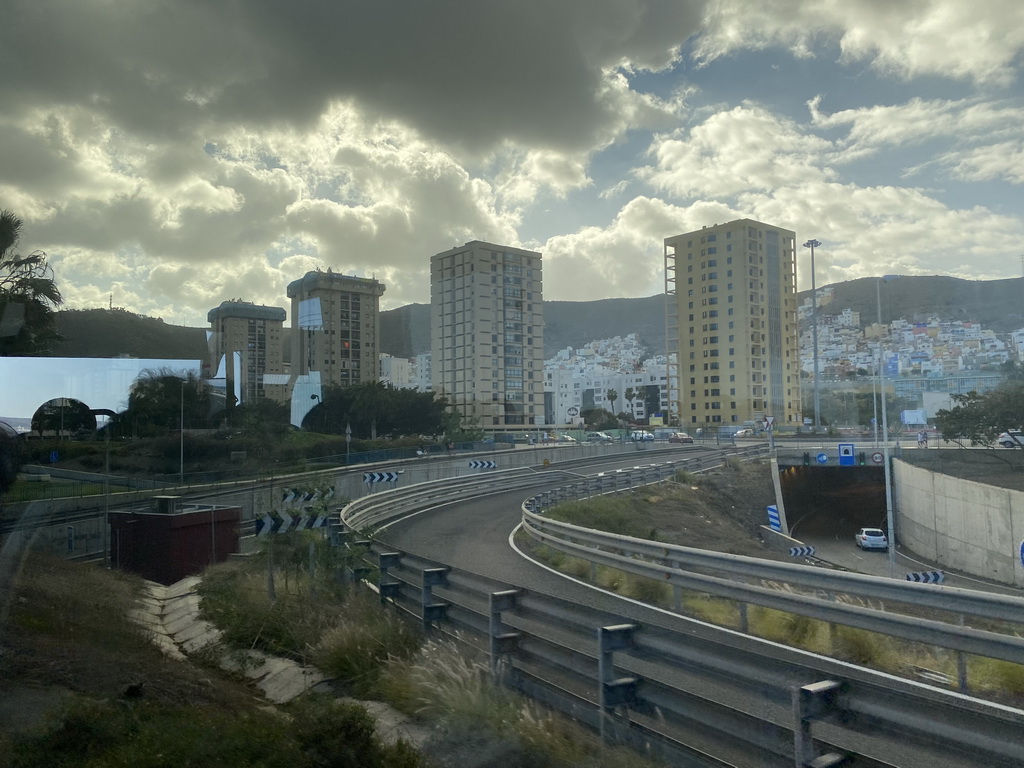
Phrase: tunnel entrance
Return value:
(833, 501)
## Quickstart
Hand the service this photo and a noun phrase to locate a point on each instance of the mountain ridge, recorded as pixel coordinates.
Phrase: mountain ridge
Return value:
(405, 331)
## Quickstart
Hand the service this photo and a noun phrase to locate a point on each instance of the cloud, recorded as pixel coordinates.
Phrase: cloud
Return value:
(980, 42)
(737, 150)
(626, 258)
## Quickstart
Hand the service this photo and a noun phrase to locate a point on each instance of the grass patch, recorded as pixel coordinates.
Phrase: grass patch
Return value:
(450, 685)
(313, 732)
(618, 514)
(311, 617)
(995, 675)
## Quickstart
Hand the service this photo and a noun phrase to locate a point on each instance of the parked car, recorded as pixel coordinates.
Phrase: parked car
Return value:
(641, 435)
(599, 437)
(680, 437)
(871, 538)
(1012, 438)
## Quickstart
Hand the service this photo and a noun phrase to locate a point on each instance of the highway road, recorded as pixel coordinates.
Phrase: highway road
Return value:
(474, 536)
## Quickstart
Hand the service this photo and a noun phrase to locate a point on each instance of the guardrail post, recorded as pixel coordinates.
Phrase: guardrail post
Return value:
(613, 691)
(961, 664)
(677, 591)
(388, 588)
(433, 611)
(814, 702)
(502, 641)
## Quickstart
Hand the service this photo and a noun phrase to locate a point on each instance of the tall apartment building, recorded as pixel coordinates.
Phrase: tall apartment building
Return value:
(335, 327)
(253, 333)
(487, 333)
(731, 324)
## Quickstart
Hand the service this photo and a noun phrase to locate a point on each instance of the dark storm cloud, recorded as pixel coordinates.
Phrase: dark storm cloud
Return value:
(470, 73)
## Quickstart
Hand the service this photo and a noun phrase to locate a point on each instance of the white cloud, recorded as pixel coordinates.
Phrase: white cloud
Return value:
(950, 38)
(738, 150)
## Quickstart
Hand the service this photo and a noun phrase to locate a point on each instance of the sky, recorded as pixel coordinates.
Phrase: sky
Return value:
(168, 155)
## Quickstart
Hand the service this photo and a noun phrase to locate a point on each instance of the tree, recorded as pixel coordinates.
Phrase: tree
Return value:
(612, 396)
(981, 418)
(630, 395)
(63, 416)
(160, 400)
(599, 418)
(28, 295)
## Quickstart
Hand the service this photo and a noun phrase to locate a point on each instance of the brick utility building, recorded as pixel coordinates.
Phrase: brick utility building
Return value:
(248, 339)
(731, 324)
(335, 327)
(171, 540)
(487, 333)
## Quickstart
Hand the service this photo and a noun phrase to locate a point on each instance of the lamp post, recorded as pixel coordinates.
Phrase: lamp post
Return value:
(890, 525)
(181, 437)
(812, 244)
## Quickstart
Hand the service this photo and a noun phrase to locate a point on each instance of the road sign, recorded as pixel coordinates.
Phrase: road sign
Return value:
(877, 457)
(774, 521)
(801, 551)
(822, 458)
(927, 577)
(477, 464)
(769, 422)
(846, 455)
(1022, 553)
(379, 477)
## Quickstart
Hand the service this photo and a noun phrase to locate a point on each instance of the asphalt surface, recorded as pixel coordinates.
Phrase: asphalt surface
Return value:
(474, 536)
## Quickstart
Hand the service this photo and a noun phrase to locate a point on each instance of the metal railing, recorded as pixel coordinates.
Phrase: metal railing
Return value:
(695, 693)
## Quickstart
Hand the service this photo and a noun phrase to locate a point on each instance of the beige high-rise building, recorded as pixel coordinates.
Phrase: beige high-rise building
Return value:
(731, 325)
(335, 327)
(487, 333)
(254, 332)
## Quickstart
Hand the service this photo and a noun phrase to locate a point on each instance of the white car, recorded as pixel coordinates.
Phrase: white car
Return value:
(641, 435)
(744, 433)
(565, 439)
(871, 538)
(1012, 438)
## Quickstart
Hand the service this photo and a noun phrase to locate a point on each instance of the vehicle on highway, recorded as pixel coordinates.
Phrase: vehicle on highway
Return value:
(680, 437)
(565, 439)
(640, 435)
(1012, 438)
(871, 538)
(599, 437)
(744, 433)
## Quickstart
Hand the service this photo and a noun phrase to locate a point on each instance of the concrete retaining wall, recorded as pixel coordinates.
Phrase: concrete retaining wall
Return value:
(959, 524)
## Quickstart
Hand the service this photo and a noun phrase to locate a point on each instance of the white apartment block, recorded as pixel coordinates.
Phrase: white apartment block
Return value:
(487, 333)
(396, 371)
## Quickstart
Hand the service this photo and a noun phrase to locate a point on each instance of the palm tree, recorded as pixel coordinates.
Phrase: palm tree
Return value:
(612, 396)
(28, 295)
(631, 394)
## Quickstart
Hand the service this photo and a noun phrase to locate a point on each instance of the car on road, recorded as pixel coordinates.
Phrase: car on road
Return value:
(565, 439)
(744, 433)
(871, 538)
(599, 437)
(1012, 438)
(680, 437)
(640, 435)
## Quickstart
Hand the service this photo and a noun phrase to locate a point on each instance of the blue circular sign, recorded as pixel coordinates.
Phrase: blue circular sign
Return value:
(822, 458)
(1022, 553)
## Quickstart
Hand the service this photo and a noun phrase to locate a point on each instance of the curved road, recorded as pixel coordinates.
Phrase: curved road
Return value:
(474, 536)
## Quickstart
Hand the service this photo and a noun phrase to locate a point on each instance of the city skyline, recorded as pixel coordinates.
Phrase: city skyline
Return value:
(167, 162)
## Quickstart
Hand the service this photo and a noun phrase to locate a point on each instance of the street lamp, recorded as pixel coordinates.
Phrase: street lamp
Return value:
(812, 244)
(890, 526)
(181, 437)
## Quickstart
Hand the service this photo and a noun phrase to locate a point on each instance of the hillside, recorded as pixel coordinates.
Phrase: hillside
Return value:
(405, 332)
(115, 332)
(995, 304)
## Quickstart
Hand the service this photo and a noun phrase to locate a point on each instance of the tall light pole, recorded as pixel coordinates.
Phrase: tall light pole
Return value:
(812, 244)
(181, 437)
(890, 525)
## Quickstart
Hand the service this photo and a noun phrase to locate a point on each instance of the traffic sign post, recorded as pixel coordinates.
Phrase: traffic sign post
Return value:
(846, 454)
(822, 458)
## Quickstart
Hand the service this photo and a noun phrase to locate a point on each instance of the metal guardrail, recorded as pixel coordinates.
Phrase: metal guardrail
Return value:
(687, 568)
(691, 692)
